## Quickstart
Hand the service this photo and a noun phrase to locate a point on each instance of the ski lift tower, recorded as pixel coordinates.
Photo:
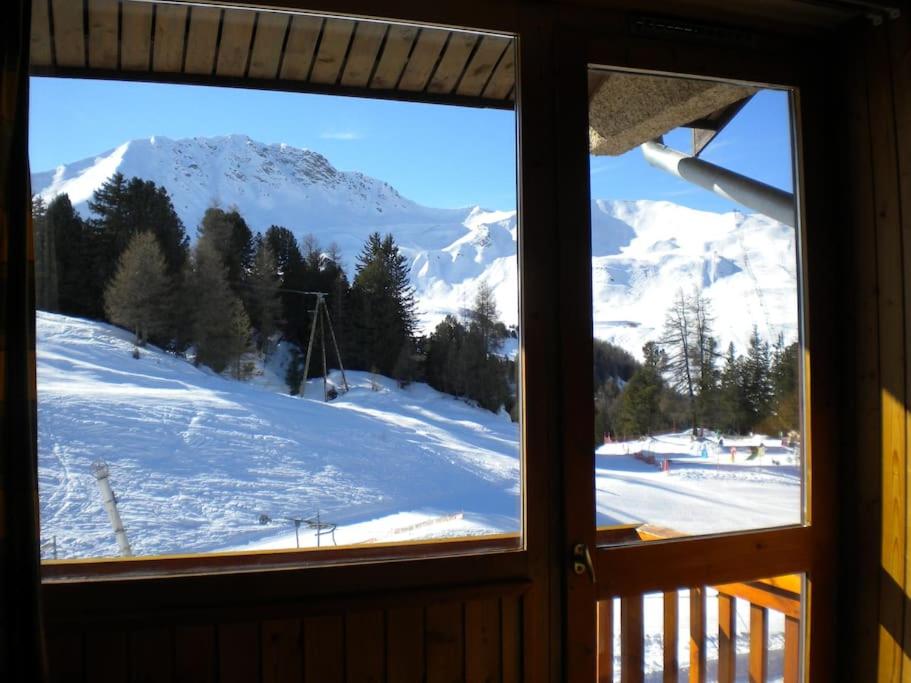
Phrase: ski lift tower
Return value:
(321, 321)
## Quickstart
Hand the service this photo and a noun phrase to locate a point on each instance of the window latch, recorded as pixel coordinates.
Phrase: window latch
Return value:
(582, 561)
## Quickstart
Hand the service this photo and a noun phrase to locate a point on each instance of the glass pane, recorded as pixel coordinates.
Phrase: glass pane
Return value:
(742, 631)
(696, 291)
(273, 320)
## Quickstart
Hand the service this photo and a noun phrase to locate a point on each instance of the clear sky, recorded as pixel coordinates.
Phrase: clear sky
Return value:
(439, 156)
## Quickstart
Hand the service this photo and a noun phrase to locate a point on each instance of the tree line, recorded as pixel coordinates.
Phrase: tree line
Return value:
(684, 381)
(236, 291)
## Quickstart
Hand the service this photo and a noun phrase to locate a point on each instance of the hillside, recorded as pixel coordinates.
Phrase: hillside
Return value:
(643, 251)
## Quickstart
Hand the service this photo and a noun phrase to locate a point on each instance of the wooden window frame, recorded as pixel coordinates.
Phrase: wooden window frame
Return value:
(557, 411)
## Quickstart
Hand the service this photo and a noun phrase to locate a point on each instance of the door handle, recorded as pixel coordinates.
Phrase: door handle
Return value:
(582, 561)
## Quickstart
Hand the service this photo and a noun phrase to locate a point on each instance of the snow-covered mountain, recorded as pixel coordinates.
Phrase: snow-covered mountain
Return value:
(643, 251)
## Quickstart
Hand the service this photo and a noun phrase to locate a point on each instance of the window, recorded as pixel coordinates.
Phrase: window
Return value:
(274, 320)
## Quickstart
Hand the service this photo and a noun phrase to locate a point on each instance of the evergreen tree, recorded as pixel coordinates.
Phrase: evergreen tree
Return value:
(757, 380)
(46, 282)
(230, 236)
(79, 278)
(221, 328)
(137, 295)
(263, 302)
(732, 406)
(639, 411)
(383, 301)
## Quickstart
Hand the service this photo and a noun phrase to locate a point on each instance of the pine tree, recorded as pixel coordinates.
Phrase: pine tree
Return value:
(757, 381)
(46, 280)
(230, 236)
(639, 409)
(79, 281)
(221, 328)
(136, 297)
(678, 340)
(263, 303)
(383, 301)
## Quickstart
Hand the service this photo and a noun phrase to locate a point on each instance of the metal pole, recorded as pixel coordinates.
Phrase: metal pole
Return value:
(338, 353)
(310, 346)
(322, 344)
(767, 200)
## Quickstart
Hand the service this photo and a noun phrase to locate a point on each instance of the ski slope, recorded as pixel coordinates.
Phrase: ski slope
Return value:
(196, 458)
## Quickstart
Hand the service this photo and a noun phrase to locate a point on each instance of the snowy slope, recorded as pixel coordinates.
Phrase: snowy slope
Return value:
(643, 251)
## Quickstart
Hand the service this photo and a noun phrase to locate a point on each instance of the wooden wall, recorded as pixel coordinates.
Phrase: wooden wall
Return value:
(874, 150)
(471, 640)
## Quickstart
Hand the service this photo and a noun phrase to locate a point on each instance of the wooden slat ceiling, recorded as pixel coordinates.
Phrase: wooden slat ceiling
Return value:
(123, 39)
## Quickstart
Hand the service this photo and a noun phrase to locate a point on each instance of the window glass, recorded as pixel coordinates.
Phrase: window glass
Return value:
(271, 320)
(696, 281)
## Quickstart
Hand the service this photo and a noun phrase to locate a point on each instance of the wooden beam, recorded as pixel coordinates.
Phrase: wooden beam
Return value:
(362, 57)
(452, 64)
(671, 626)
(234, 46)
(727, 638)
(266, 54)
(333, 47)
(40, 46)
(766, 596)
(399, 40)
(69, 36)
(697, 635)
(606, 641)
(135, 36)
(759, 644)
(423, 59)
(104, 35)
(302, 38)
(791, 650)
(631, 640)
(503, 80)
(170, 28)
(202, 40)
(482, 64)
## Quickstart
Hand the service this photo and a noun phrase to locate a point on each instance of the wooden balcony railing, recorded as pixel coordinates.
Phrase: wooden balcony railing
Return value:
(780, 595)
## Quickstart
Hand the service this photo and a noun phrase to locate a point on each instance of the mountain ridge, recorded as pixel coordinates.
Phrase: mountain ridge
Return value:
(643, 251)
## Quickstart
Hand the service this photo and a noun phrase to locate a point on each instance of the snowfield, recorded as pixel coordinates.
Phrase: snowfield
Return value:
(196, 458)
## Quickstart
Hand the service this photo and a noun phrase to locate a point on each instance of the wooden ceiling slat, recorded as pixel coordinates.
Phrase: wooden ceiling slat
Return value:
(302, 37)
(423, 59)
(482, 65)
(451, 66)
(399, 40)
(201, 40)
(40, 48)
(267, 45)
(136, 36)
(69, 37)
(504, 77)
(332, 50)
(170, 27)
(367, 39)
(103, 33)
(234, 48)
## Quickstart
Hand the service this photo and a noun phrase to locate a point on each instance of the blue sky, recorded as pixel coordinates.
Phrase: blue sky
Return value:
(436, 155)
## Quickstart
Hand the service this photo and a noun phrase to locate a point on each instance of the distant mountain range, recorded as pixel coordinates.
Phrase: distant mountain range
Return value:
(643, 251)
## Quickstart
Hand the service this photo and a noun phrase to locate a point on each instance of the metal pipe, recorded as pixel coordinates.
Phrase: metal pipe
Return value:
(767, 200)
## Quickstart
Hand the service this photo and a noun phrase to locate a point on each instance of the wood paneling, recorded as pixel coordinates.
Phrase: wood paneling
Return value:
(104, 38)
(282, 656)
(170, 30)
(303, 35)
(69, 36)
(195, 654)
(136, 36)
(503, 80)
(151, 655)
(266, 53)
(40, 47)
(483, 62)
(405, 644)
(482, 641)
(234, 46)
(238, 652)
(324, 649)
(452, 63)
(423, 59)
(202, 40)
(395, 53)
(365, 647)
(362, 57)
(444, 645)
(333, 48)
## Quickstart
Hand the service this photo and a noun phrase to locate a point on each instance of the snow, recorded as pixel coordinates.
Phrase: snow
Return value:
(642, 251)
